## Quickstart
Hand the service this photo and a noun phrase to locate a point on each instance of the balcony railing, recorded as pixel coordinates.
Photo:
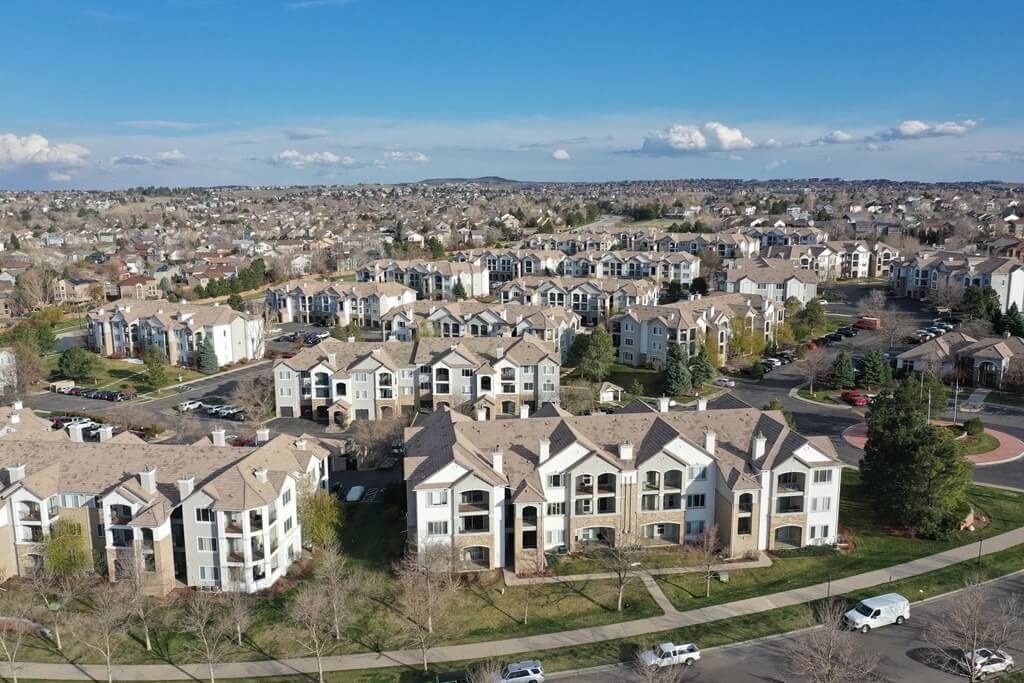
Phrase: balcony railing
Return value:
(236, 555)
(257, 552)
(255, 522)
(29, 515)
(474, 507)
(233, 526)
(786, 487)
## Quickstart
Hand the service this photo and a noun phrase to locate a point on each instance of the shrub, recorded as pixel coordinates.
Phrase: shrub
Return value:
(974, 427)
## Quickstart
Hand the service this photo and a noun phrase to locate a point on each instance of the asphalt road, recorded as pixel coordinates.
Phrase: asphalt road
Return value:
(904, 653)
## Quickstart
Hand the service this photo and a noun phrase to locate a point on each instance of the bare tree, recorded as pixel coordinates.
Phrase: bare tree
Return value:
(418, 622)
(622, 561)
(238, 611)
(130, 569)
(374, 439)
(872, 305)
(978, 617)
(56, 594)
(204, 620)
(255, 396)
(531, 591)
(335, 583)
(487, 671)
(427, 578)
(831, 653)
(102, 627)
(895, 323)
(814, 360)
(656, 674)
(313, 617)
(707, 546)
(14, 626)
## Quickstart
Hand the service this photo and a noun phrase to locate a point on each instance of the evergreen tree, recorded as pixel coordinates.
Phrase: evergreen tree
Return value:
(701, 369)
(156, 366)
(914, 471)
(78, 364)
(597, 357)
(458, 291)
(46, 340)
(677, 373)
(1013, 321)
(673, 293)
(876, 370)
(236, 302)
(980, 303)
(208, 357)
(699, 286)
(436, 248)
(843, 376)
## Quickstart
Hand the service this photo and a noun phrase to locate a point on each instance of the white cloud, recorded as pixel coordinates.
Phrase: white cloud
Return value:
(560, 154)
(131, 160)
(35, 150)
(293, 159)
(59, 176)
(418, 157)
(775, 163)
(684, 139)
(914, 129)
(836, 137)
(1000, 157)
(166, 125)
(771, 143)
(172, 157)
(305, 133)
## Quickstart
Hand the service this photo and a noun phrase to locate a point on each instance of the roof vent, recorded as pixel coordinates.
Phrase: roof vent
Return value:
(261, 474)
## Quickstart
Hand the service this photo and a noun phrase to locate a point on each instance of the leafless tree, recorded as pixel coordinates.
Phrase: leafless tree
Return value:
(102, 626)
(978, 617)
(427, 578)
(872, 305)
(706, 547)
(486, 671)
(814, 361)
(130, 569)
(531, 591)
(205, 621)
(831, 653)
(417, 621)
(895, 323)
(55, 594)
(622, 561)
(374, 440)
(255, 396)
(15, 625)
(946, 294)
(238, 611)
(335, 584)
(313, 618)
(657, 674)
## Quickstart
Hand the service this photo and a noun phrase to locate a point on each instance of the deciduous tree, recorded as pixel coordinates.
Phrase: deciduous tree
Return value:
(623, 562)
(204, 619)
(78, 364)
(310, 615)
(101, 628)
(598, 356)
(831, 653)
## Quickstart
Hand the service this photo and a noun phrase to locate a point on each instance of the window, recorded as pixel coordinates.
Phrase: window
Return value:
(439, 497)
(555, 537)
(286, 497)
(437, 528)
(649, 502)
(695, 528)
(467, 372)
(288, 525)
(584, 506)
(204, 515)
(821, 504)
(206, 544)
(360, 376)
(822, 476)
(695, 500)
(209, 573)
(556, 508)
(100, 532)
(556, 481)
(697, 472)
(549, 369)
(743, 526)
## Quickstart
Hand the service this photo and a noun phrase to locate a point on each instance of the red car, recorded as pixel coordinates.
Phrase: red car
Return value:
(856, 398)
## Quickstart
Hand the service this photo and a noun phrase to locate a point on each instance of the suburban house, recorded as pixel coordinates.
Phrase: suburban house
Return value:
(124, 328)
(502, 494)
(991, 362)
(929, 273)
(769, 278)
(206, 515)
(78, 290)
(336, 303)
(555, 325)
(592, 299)
(430, 279)
(139, 287)
(643, 335)
(337, 382)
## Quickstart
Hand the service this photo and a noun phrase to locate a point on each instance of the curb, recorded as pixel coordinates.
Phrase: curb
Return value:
(794, 393)
(1009, 459)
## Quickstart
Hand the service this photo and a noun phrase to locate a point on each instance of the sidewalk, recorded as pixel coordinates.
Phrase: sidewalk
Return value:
(531, 644)
(1010, 447)
(761, 562)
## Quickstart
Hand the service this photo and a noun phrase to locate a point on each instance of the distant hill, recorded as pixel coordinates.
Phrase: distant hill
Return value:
(484, 180)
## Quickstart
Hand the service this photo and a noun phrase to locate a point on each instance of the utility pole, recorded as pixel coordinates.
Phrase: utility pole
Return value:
(956, 398)
(929, 405)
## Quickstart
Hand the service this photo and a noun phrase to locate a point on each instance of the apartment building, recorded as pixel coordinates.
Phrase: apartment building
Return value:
(859, 259)
(336, 303)
(572, 243)
(769, 278)
(557, 326)
(777, 236)
(990, 362)
(139, 287)
(337, 382)
(593, 300)
(662, 267)
(205, 515)
(508, 264)
(504, 494)
(643, 335)
(929, 272)
(430, 279)
(124, 328)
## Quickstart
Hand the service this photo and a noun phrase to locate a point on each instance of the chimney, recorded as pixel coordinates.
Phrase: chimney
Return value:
(545, 450)
(709, 440)
(219, 437)
(16, 419)
(663, 404)
(499, 352)
(75, 431)
(106, 432)
(262, 436)
(702, 403)
(481, 414)
(261, 474)
(760, 442)
(497, 460)
(524, 411)
(147, 479)
(332, 359)
(15, 472)
(351, 340)
(17, 405)
(626, 450)
(186, 483)
(300, 444)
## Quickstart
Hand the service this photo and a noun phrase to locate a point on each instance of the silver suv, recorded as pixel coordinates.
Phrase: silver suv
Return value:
(529, 671)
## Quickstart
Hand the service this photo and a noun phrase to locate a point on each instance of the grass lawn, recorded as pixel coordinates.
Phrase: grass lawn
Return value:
(1005, 399)
(655, 558)
(69, 325)
(829, 397)
(625, 376)
(113, 373)
(874, 548)
(976, 445)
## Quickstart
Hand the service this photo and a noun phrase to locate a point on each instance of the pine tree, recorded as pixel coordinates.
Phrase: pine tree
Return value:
(677, 374)
(1013, 322)
(236, 302)
(458, 291)
(156, 366)
(208, 363)
(876, 370)
(843, 376)
(701, 369)
(597, 357)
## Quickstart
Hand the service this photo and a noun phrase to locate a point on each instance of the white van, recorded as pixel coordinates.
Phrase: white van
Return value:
(891, 608)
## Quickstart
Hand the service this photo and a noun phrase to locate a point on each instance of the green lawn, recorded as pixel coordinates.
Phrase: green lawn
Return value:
(976, 445)
(656, 558)
(829, 397)
(1005, 399)
(874, 548)
(69, 325)
(114, 373)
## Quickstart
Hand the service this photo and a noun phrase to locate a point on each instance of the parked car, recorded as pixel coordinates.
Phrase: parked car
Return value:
(530, 671)
(62, 421)
(243, 443)
(855, 398)
(236, 416)
(866, 323)
(834, 337)
(774, 362)
(188, 406)
(725, 382)
(355, 494)
(670, 654)
(891, 608)
(847, 331)
(985, 662)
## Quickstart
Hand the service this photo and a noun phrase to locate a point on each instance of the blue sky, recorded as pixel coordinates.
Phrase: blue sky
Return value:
(112, 94)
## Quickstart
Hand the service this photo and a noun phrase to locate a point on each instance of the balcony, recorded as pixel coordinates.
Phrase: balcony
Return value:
(791, 482)
(789, 505)
(255, 521)
(475, 524)
(473, 507)
(232, 524)
(29, 512)
(257, 551)
(120, 514)
(236, 553)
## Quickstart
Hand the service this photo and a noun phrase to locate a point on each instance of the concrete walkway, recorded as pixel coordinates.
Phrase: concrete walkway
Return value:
(1010, 447)
(530, 644)
(761, 562)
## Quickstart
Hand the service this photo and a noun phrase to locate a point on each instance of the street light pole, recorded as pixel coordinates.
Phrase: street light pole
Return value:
(956, 398)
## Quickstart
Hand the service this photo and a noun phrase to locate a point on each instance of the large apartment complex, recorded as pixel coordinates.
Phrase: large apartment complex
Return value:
(206, 515)
(593, 300)
(336, 303)
(928, 273)
(501, 494)
(430, 279)
(126, 327)
(337, 382)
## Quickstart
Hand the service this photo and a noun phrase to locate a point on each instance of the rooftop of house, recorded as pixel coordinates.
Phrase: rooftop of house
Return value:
(168, 314)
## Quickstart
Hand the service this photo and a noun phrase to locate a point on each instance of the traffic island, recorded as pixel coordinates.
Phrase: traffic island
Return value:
(990, 448)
